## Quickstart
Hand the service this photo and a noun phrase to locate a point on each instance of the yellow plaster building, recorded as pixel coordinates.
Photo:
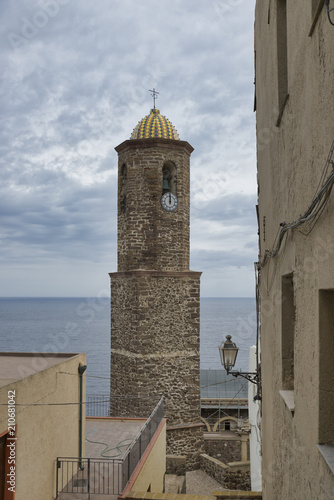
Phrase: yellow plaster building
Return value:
(40, 396)
(294, 61)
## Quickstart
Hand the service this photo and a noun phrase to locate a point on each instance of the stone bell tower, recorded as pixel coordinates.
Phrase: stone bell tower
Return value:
(155, 298)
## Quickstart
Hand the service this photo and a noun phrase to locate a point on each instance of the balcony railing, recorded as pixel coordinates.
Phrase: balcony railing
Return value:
(88, 476)
(107, 476)
(97, 405)
(141, 441)
(101, 405)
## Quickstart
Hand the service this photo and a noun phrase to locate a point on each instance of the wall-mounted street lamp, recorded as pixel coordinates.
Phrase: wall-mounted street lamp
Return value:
(228, 354)
(329, 10)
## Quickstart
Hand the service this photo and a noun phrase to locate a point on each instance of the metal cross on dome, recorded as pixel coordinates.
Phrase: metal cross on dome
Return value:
(154, 95)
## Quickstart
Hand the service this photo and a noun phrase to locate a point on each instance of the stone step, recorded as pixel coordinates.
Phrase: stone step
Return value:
(135, 495)
(237, 495)
(174, 484)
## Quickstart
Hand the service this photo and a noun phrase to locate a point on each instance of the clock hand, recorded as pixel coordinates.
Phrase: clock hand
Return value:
(170, 199)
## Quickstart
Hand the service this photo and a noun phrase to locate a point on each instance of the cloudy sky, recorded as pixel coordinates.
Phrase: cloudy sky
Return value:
(74, 83)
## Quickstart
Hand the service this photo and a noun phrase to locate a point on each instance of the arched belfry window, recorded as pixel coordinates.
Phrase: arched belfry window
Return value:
(123, 193)
(169, 179)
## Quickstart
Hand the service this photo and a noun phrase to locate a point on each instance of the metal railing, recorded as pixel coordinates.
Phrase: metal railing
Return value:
(141, 441)
(105, 476)
(101, 405)
(88, 476)
(97, 405)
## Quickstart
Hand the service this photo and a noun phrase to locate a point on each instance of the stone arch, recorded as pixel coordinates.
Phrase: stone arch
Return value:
(245, 425)
(207, 425)
(123, 187)
(226, 419)
(169, 175)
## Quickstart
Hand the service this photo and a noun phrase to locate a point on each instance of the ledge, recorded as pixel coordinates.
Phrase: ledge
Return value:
(183, 426)
(154, 142)
(240, 465)
(137, 495)
(214, 461)
(289, 399)
(237, 494)
(155, 274)
(327, 451)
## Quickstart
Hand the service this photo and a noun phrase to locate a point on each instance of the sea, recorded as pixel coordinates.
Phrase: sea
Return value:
(75, 325)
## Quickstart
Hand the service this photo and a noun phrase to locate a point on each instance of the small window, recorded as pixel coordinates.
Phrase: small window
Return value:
(123, 188)
(169, 177)
(227, 426)
(326, 366)
(288, 332)
(282, 57)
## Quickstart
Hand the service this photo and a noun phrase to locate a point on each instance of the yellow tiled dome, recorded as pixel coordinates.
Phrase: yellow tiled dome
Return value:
(155, 125)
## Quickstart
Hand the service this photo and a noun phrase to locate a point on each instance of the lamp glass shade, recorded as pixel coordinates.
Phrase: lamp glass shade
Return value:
(228, 353)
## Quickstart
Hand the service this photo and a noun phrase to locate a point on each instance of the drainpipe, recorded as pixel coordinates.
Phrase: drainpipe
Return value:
(81, 369)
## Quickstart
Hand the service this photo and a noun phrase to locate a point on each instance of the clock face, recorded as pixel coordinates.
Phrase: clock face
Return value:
(169, 202)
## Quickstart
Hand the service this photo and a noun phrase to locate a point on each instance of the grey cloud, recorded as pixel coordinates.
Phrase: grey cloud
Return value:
(77, 87)
(231, 209)
(219, 260)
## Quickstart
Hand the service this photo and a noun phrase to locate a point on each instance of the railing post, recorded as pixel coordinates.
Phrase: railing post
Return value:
(81, 370)
(57, 477)
(88, 476)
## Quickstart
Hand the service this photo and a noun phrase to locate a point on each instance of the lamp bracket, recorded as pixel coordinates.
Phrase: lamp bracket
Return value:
(329, 10)
(250, 376)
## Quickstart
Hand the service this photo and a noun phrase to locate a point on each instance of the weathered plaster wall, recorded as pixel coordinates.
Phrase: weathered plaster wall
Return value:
(291, 158)
(44, 432)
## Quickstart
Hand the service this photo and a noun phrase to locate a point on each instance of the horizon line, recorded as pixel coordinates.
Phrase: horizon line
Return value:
(96, 297)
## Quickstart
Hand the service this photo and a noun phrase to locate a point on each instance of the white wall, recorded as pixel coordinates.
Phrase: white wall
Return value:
(255, 426)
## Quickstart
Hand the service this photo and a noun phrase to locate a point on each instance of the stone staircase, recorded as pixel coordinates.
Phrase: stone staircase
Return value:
(175, 484)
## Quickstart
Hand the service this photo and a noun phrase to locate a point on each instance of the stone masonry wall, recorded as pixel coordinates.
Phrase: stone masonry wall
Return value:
(155, 345)
(148, 236)
(231, 478)
(155, 339)
(187, 441)
(224, 450)
(154, 297)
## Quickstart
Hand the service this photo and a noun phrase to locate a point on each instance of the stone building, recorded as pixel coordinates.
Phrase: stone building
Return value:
(294, 61)
(155, 298)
